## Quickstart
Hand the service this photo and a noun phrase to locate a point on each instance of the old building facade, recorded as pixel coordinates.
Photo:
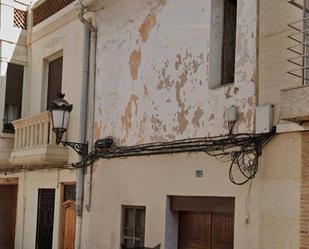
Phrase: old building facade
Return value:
(207, 78)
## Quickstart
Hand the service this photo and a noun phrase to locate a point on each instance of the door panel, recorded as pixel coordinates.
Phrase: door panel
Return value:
(194, 230)
(68, 216)
(8, 199)
(68, 225)
(222, 231)
(205, 230)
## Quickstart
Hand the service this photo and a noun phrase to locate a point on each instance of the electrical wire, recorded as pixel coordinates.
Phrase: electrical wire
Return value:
(243, 150)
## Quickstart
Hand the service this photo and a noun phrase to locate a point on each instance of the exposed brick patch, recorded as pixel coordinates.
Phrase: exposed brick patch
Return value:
(304, 196)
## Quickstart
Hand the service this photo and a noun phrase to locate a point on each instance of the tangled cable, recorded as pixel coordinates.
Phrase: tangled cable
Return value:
(243, 150)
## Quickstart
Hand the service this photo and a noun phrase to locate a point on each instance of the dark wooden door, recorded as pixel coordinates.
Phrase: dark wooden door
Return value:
(8, 200)
(205, 230)
(45, 219)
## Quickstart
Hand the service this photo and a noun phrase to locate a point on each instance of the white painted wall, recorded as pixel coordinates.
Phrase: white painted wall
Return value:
(272, 203)
(29, 183)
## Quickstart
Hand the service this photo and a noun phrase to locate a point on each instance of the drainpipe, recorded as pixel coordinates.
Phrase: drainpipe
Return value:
(89, 30)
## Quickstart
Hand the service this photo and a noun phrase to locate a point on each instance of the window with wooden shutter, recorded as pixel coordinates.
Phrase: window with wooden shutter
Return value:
(54, 80)
(133, 230)
(13, 96)
(229, 41)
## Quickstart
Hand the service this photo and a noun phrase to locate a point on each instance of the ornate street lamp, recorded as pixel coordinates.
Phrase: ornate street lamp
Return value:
(60, 111)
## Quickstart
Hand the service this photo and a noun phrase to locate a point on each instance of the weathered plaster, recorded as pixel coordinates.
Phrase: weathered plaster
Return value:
(161, 91)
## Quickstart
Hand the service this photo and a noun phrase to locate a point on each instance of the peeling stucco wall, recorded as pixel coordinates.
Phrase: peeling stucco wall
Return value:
(153, 71)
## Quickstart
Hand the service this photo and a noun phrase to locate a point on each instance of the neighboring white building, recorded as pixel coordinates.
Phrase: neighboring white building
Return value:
(37, 62)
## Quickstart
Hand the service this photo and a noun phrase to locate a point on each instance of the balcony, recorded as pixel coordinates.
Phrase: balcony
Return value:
(35, 143)
(294, 104)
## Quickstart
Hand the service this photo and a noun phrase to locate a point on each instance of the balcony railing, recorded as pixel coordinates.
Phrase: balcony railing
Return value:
(35, 143)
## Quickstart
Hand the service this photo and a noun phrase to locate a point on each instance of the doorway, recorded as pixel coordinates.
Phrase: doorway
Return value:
(204, 222)
(205, 230)
(8, 200)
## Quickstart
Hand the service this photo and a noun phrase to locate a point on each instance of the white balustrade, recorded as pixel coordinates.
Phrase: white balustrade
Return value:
(34, 131)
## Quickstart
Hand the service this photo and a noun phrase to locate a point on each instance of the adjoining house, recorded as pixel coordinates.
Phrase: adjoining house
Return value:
(44, 52)
(196, 113)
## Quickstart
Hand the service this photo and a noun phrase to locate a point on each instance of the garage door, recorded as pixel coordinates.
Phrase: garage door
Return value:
(198, 230)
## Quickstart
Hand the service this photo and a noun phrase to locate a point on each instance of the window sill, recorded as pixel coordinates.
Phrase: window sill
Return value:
(220, 85)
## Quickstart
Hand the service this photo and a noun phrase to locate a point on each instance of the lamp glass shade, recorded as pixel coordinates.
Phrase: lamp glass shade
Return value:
(60, 119)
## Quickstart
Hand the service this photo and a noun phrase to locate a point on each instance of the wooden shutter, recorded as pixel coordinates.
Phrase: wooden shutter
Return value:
(229, 41)
(45, 219)
(14, 85)
(54, 80)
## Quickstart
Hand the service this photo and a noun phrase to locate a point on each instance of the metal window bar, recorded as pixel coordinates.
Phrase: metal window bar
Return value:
(301, 49)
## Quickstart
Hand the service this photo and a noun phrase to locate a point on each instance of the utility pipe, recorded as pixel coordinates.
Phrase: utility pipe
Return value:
(89, 30)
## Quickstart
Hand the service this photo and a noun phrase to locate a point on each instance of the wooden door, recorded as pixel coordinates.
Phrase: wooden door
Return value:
(68, 225)
(194, 230)
(8, 200)
(68, 215)
(222, 231)
(205, 230)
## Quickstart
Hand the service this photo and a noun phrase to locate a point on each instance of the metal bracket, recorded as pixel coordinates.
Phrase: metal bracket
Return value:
(80, 148)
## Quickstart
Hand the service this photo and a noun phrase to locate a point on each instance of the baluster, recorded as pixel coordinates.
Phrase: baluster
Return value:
(45, 132)
(22, 144)
(35, 142)
(52, 136)
(16, 138)
(41, 129)
(31, 135)
(20, 133)
(27, 136)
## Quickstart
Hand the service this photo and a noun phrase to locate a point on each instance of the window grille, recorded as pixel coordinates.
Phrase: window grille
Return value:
(20, 19)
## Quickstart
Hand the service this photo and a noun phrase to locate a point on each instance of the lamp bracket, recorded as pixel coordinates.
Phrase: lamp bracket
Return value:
(80, 148)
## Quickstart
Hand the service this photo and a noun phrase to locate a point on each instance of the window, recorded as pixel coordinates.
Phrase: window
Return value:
(45, 219)
(54, 80)
(229, 41)
(133, 230)
(13, 96)
(222, 42)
